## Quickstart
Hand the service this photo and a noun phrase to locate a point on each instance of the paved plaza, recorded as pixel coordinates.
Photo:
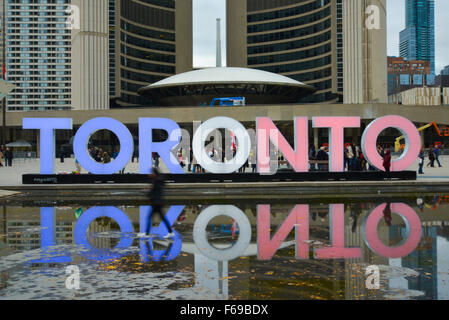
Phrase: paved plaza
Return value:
(12, 176)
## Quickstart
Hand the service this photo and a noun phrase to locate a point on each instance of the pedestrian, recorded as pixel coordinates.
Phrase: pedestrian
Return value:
(194, 167)
(387, 214)
(431, 158)
(106, 157)
(421, 161)
(181, 159)
(99, 155)
(189, 166)
(362, 161)
(8, 157)
(436, 151)
(321, 157)
(61, 154)
(252, 160)
(387, 161)
(135, 154)
(351, 157)
(157, 202)
(1, 158)
(77, 166)
(156, 160)
(312, 158)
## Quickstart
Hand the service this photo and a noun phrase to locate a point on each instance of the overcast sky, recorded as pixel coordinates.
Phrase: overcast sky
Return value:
(205, 13)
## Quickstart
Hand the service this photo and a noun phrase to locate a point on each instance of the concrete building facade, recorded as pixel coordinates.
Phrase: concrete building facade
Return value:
(90, 56)
(154, 40)
(57, 54)
(39, 57)
(293, 38)
(365, 51)
(406, 74)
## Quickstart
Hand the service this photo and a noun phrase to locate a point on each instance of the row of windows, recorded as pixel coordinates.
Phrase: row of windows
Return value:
(40, 66)
(161, 3)
(256, 5)
(287, 12)
(37, 8)
(142, 77)
(38, 55)
(169, 58)
(38, 1)
(26, 101)
(319, 97)
(12, 61)
(35, 96)
(310, 76)
(46, 91)
(136, 100)
(39, 43)
(126, 62)
(44, 85)
(148, 16)
(44, 34)
(296, 33)
(147, 43)
(31, 16)
(132, 87)
(149, 33)
(39, 79)
(42, 49)
(290, 23)
(283, 46)
(298, 55)
(299, 66)
(52, 21)
(38, 108)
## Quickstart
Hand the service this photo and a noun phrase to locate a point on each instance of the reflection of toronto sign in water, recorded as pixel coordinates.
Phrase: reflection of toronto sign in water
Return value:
(267, 243)
(266, 132)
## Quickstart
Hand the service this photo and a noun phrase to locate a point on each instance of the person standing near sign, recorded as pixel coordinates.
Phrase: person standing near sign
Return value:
(387, 161)
(421, 161)
(8, 156)
(436, 151)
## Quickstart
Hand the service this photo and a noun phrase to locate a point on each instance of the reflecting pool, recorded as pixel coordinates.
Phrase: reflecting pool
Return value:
(375, 248)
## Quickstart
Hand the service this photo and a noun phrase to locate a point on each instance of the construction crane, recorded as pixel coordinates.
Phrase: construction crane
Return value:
(441, 133)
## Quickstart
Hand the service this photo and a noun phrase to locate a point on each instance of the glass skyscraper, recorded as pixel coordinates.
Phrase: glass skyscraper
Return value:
(417, 40)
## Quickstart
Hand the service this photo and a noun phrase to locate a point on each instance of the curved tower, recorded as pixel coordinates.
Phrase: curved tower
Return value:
(294, 38)
(153, 42)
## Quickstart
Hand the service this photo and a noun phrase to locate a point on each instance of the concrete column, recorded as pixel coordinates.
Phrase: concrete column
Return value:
(315, 137)
(90, 56)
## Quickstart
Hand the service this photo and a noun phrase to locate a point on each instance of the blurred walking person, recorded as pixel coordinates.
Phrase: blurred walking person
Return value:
(436, 151)
(431, 158)
(157, 202)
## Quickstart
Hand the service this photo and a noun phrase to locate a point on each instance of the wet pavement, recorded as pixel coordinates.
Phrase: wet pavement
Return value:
(375, 248)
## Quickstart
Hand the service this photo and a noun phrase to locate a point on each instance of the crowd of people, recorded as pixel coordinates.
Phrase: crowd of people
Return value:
(433, 154)
(354, 159)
